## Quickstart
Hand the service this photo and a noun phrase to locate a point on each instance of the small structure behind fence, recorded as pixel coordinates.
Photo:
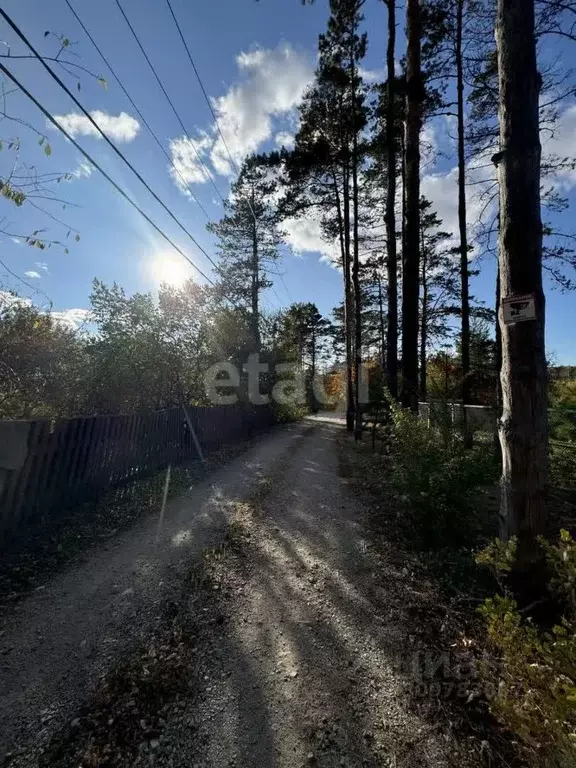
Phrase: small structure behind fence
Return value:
(46, 465)
(483, 424)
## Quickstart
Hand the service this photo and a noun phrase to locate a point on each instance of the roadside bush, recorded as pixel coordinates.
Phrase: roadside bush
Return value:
(563, 466)
(439, 483)
(288, 412)
(532, 671)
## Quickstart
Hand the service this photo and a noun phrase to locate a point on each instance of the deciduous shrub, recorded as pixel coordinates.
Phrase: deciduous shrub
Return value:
(439, 483)
(533, 671)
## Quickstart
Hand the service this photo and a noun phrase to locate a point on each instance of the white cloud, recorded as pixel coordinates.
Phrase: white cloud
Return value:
(83, 170)
(42, 265)
(372, 75)
(16, 240)
(272, 84)
(32, 274)
(187, 154)
(563, 144)
(428, 145)
(304, 235)
(284, 139)
(122, 127)
(442, 190)
(73, 318)
(8, 299)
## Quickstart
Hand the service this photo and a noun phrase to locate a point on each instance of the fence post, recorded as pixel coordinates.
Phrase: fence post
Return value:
(193, 433)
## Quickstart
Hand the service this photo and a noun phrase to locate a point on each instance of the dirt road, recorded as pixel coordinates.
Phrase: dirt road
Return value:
(304, 670)
(56, 643)
(307, 672)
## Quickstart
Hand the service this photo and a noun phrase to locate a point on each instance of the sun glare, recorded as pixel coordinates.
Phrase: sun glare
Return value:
(169, 269)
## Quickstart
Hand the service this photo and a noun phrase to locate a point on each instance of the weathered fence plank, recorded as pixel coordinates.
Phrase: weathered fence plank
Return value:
(46, 466)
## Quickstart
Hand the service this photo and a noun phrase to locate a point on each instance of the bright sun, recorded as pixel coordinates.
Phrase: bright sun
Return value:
(169, 269)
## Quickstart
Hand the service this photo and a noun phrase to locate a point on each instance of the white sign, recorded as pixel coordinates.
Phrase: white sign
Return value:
(518, 309)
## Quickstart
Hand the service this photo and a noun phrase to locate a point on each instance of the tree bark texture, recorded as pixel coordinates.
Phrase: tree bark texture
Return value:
(348, 305)
(344, 244)
(523, 426)
(411, 255)
(423, 329)
(255, 292)
(356, 270)
(464, 278)
(390, 216)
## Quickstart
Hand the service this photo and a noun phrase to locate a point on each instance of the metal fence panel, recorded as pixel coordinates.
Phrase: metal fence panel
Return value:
(46, 465)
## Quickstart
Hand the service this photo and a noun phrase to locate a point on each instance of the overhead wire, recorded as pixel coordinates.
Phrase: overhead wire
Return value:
(135, 107)
(286, 288)
(215, 118)
(110, 143)
(206, 172)
(111, 181)
(207, 98)
(159, 81)
(202, 88)
(93, 162)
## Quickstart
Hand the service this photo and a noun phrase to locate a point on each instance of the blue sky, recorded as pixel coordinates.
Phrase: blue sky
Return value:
(255, 59)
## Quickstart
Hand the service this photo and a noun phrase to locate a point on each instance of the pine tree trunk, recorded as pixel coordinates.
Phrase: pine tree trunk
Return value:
(349, 306)
(382, 325)
(411, 255)
(392, 257)
(255, 285)
(423, 330)
(523, 426)
(356, 268)
(345, 252)
(498, 365)
(464, 278)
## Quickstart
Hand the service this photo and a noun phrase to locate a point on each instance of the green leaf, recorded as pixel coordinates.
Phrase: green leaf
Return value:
(102, 81)
(41, 140)
(66, 251)
(65, 42)
(78, 85)
(47, 150)
(46, 33)
(77, 238)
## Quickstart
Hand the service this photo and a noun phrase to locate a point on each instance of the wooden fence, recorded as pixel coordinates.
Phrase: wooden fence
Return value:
(48, 465)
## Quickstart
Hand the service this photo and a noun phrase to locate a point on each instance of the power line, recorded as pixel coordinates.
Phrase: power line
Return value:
(286, 288)
(141, 116)
(153, 134)
(275, 292)
(115, 149)
(110, 143)
(207, 98)
(111, 181)
(91, 160)
(164, 91)
(215, 117)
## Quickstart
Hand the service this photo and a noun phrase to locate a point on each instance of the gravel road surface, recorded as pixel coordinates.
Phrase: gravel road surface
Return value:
(303, 666)
(57, 642)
